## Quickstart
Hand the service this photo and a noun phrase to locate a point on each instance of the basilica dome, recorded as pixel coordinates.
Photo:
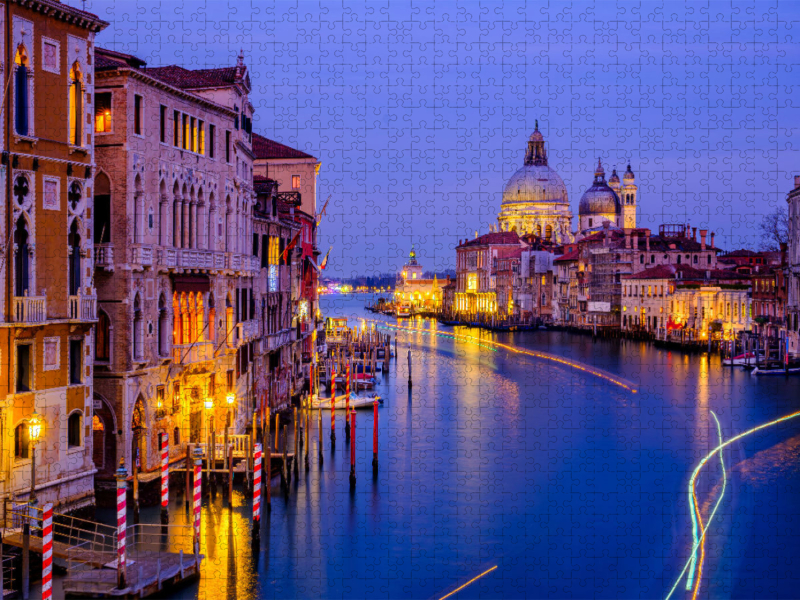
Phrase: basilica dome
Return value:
(535, 198)
(535, 183)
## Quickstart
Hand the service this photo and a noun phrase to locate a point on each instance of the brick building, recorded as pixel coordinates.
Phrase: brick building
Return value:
(175, 267)
(49, 302)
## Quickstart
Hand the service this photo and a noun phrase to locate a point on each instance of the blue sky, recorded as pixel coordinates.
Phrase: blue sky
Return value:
(419, 111)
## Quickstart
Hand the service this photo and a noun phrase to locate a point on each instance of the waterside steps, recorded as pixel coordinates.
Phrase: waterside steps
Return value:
(158, 557)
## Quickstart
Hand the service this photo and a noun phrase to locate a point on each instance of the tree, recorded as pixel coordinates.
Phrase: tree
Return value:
(774, 229)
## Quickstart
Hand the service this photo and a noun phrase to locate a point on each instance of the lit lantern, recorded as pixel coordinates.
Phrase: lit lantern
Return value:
(35, 427)
(230, 398)
(209, 403)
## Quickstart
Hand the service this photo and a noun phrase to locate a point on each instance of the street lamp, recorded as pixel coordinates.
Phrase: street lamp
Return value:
(35, 429)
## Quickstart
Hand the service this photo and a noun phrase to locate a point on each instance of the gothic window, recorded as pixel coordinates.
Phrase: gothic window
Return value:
(74, 242)
(138, 328)
(102, 209)
(76, 105)
(74, 195)
(21, 259)
(211, 316)
(21, 189)
(21, 91)
(163, 322)
(102, 337)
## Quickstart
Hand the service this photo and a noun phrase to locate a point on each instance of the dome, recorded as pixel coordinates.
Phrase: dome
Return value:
(614, 177)
(599, 199)
(535, 183)
(536, 136)
(628, 177)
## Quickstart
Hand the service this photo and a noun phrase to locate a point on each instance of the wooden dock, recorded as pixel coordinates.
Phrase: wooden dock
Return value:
(95, 558)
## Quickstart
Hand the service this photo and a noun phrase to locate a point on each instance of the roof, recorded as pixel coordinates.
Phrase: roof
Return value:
(686, 272)
(174, 75)
(574, 255)
(266, 148)
(494, 238)
(263, 185)
(201, 78)
(742, 253)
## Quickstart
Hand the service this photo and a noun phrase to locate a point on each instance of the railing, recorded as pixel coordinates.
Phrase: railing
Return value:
(30, 309)
(249, 330)
(274, 341)
(234, 261)
(104, 256)
(83, 308)
(167, 257)
(293, 198)
(240, 443)
(193, 353)
(142, 255)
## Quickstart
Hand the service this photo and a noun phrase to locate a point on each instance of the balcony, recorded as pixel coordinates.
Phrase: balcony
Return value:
(142, 255)
(104, 257)
(168, 257)
(198, 352)
(290, 198)
(234, 261)
(83, 308)
(30, 309)
(274, 341)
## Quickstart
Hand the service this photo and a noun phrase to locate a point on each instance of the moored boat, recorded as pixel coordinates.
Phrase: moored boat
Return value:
(355, 401)
(747, 358)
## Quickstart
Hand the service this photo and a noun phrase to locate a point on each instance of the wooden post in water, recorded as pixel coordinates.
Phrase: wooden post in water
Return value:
(305, 430)
(296, 455)
(268, 473)
(409, 368)
(277, 430)
(353, 448)
(285, 474)
(319, 433)
(136, 486)
(374, 436)
(230, 475)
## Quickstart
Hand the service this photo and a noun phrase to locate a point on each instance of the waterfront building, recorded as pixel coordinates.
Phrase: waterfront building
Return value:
(275, 294)
(749, 261)
(508, 284)
(535, 198)
(175, 271)
(295, 173)
(415, 291)
(679, 301)
(476, 276)
(50, 302)
(568, 278)
(535, 296)
(793, 270)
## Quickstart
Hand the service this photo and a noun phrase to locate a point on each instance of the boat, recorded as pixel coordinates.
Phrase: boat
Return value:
(355, 401)
(775, 371)
(741, 360)
(402, 312)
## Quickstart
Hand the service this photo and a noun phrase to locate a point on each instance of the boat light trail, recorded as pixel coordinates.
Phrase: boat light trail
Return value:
(702, 463)
(492, 345)
(461, 587)
(695, 510)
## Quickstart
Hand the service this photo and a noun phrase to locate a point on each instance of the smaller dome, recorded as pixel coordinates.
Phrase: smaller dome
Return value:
(599, 199)
(628, 177)
(614, 177)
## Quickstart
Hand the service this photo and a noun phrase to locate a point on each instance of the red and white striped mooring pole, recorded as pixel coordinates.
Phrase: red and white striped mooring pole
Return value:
(198, 482)
(47, 552)
(164, 473)
(122, 513)
(257, 491)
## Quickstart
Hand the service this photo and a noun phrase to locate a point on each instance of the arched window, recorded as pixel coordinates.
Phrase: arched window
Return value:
(138, 211)
(74, 241)
(177, 319)
(679, 259)
(176, 437)
(102, 337)
(76, 105)
(695, 259)
(229, 317)
(74, 426)
(21, 91)
(138, 328)
(228, 218)
(163, 323)
(548, 233)
(212, 313)
(177, 211)
(22, 441)
(21, 259)
(98, 442)
(102, 209)
(201, 317)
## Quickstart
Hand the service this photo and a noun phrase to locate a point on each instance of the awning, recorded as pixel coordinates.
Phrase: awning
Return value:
(191, 283)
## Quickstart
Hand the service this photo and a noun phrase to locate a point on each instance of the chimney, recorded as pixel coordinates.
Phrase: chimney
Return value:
(635, 241)
(694, 234)
(628, 238)
(703, 234)
(647, 239)
(712, 239)
(796, 181)
(606, 225)
(783, 253)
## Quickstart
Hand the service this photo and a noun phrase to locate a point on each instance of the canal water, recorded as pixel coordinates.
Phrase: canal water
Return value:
(558, 483)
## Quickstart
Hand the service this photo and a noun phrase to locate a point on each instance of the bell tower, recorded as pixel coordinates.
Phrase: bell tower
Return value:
(628, 195)
(536, 154)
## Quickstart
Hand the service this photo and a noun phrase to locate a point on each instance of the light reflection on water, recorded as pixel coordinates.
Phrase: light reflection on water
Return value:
(570, 485)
